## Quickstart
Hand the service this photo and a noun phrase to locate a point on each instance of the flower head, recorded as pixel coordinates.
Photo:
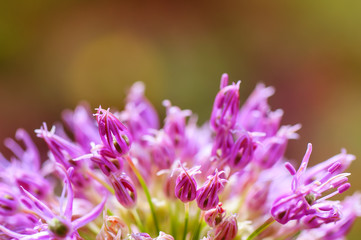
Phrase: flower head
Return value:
(138, 170)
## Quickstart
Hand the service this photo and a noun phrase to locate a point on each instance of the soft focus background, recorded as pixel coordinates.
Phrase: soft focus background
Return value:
(54, 54)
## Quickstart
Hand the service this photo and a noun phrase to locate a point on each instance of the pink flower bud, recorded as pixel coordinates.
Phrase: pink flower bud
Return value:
(215, 216)
(227, 230)
(186, 186)
(113, 133)
(226, 105)
(125, 191)
(207, 195)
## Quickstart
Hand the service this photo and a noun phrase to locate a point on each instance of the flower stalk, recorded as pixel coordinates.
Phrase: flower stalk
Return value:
(146, 192)
(261, 228)
(186, 217)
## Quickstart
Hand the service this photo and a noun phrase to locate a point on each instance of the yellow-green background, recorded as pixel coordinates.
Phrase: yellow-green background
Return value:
(54, 54)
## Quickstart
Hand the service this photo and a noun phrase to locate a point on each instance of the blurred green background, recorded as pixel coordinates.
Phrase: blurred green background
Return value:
(53, 54)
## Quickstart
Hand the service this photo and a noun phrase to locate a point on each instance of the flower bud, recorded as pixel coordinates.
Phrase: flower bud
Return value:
(226, 105)
(207, 195)
(125, 191)
(242, 152)
(227, 230)
(113, 133)
(107, 162)
(214, 216)
(186, 186)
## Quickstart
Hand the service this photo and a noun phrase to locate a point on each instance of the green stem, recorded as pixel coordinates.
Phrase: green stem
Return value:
(261, 228)
(172, 220)
(146, 191)
(198, 229)
(138, 221)
(186, 206)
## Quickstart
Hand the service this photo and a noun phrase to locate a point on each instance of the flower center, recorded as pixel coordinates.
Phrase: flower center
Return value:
(57, 227)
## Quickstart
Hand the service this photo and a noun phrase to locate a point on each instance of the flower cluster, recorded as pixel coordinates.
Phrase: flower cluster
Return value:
(124, 175)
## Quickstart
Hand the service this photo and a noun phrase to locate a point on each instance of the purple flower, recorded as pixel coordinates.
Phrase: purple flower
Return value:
(106, 160)
(186, 186)
(125, 191)
(226, 105)
(207, 195)
(306, 200)
(242, 152)
(114, 135)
